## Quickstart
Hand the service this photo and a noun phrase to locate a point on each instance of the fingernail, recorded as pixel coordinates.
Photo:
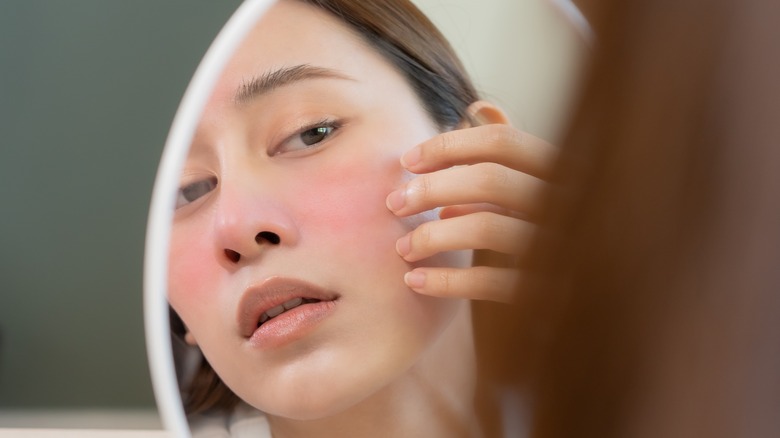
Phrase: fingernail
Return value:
(396, 200)
(411, 158)
(415, 279)
(404, 245)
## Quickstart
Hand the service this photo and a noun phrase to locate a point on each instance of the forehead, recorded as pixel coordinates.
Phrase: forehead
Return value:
(293, 33)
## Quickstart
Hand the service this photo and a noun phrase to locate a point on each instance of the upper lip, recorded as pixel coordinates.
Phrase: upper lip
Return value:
(273, 292)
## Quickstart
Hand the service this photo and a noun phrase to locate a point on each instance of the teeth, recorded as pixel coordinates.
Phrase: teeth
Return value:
(275, 311)
(295, 302)
(278, 310)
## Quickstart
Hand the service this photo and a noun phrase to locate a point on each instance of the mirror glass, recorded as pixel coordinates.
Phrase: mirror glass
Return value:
(271, 245)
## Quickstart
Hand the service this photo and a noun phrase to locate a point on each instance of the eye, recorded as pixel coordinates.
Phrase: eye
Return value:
(191, 192)
(315, 135)
(308, 137)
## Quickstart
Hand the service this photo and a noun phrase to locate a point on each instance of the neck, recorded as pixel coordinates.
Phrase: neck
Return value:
(433, 398)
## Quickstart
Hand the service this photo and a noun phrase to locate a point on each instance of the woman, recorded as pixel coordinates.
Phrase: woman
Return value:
(307, 261)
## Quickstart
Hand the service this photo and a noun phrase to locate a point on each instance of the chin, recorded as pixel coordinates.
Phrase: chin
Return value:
(323, 387)
(315, 401)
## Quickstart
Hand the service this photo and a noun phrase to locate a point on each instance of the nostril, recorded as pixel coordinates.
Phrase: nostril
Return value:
(267, 236)
(232, 255)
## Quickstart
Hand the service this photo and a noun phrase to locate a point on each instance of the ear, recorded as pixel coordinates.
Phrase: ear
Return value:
(483, 112)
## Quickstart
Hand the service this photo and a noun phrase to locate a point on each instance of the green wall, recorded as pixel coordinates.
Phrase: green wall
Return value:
(88, 89)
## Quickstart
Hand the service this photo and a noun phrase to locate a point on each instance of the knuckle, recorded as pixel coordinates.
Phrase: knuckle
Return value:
(444, 144)
(492, 177)
(425, 186)
(421, 238)
(444, 281)
(420, 189)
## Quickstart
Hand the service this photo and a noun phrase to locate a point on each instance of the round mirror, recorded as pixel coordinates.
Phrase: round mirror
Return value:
(276, 295)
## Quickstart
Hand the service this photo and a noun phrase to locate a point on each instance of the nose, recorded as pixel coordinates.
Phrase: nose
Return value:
(249, 223)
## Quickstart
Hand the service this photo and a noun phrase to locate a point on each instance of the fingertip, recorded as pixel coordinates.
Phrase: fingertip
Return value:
(403, 246)
(411, 158)
(396, 200)
(448, 212)
(415, 280)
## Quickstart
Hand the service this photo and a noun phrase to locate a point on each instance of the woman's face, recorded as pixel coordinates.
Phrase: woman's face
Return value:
(284, 203)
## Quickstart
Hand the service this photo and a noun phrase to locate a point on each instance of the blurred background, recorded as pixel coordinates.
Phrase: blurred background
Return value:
(88, 89)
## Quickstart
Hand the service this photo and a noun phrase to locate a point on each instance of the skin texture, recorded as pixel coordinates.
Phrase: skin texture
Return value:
(327, 206)
(355, 214)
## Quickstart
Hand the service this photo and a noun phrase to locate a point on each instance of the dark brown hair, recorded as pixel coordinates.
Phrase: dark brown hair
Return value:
(655, 309)
(405, 37)
(411, 44)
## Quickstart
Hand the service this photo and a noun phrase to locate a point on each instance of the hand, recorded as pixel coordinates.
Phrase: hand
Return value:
(488, 203)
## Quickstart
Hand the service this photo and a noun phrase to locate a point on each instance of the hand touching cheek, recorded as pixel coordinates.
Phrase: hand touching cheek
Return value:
(487, 180)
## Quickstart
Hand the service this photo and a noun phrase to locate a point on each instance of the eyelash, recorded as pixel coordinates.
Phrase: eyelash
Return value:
(332, 125)
(202, 187)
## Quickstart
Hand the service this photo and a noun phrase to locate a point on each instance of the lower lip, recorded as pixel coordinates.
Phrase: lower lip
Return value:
(291, 325)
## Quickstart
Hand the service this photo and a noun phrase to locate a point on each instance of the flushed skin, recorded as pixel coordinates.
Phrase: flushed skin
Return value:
(327, 206)
(299, 185)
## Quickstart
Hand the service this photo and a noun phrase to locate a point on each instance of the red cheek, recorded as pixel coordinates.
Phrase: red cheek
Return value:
(336, 201)
(191, 267)
(346, 197)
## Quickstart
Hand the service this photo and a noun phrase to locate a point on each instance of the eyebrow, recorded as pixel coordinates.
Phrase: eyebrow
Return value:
(272, 80)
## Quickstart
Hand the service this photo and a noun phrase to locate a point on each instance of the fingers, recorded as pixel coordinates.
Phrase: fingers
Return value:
(489, 283)
(478, 183)
(488, 181)
(495, 143)
(481, 230)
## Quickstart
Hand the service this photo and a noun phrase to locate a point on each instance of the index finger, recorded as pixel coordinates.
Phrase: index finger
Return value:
(495, 143)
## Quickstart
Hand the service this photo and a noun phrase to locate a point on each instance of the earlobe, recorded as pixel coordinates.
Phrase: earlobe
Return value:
(483, 112)
(190, 339)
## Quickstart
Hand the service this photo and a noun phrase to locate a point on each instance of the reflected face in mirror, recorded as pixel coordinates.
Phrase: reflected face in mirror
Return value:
(283, 204)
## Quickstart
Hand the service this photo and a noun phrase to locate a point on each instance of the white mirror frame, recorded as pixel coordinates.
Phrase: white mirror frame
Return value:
(156, 322)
